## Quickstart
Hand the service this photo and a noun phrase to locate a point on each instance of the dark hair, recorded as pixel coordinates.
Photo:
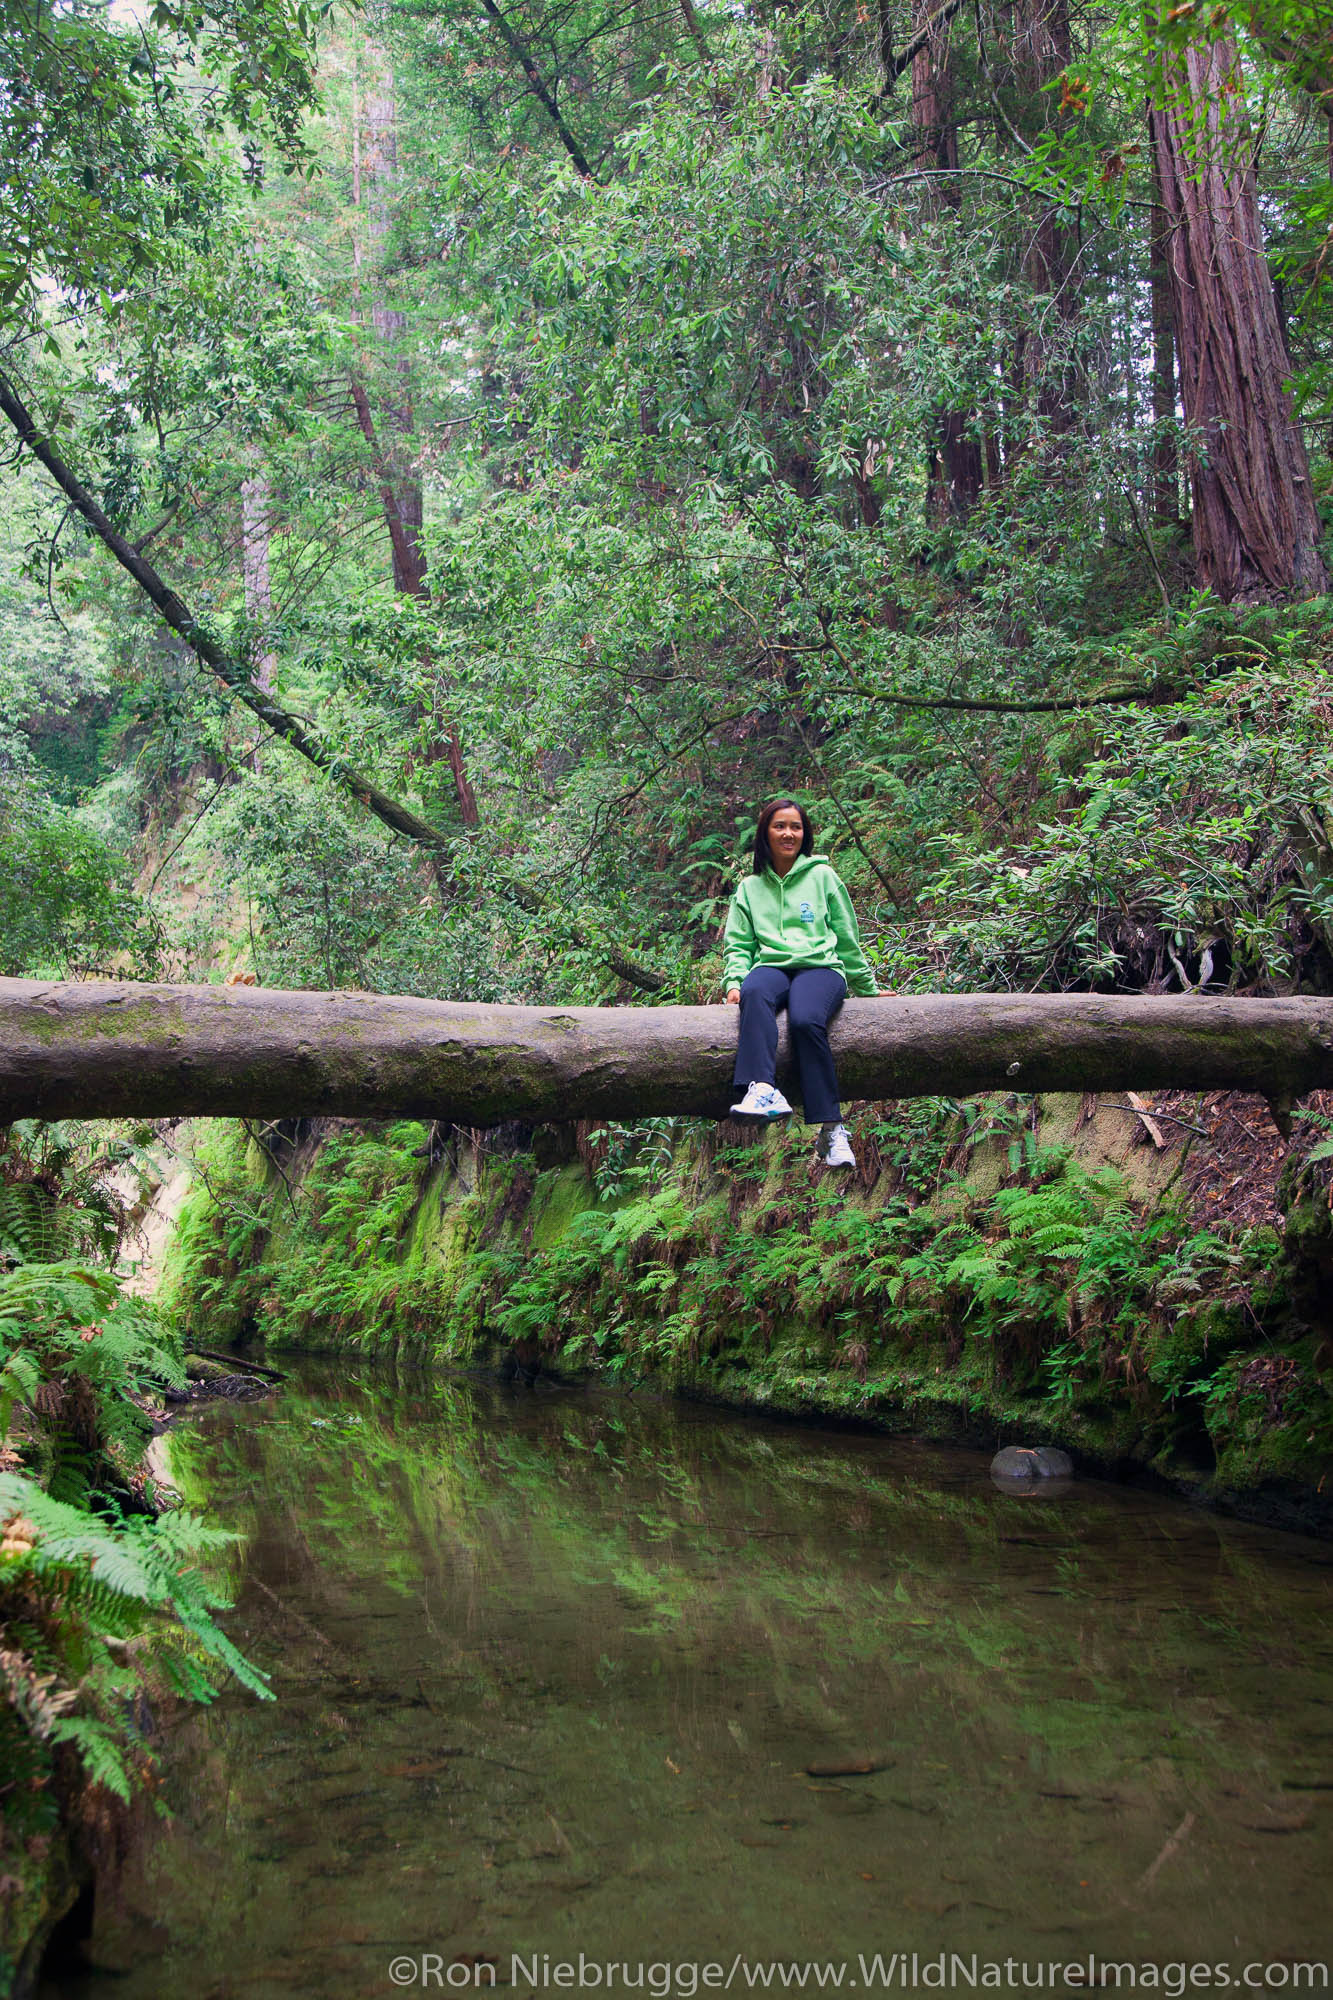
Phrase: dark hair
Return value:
(762, 855)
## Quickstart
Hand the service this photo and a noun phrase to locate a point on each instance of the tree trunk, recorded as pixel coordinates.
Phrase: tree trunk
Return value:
(120, 1050)
(375, 183)
(954, 467)
(1256, 529)
(888, 71)
(379, 186)
(1040, 50)
(695, 31)
(254, 565)
(1165, 469)
(932, 98)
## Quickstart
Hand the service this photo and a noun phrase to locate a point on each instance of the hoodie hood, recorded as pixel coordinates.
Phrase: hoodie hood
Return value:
(801, 862)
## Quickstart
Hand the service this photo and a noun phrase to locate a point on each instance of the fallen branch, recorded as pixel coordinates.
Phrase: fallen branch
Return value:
(1150, 697)
(234, 1361)
(1171, 1848)
(1150, 1125)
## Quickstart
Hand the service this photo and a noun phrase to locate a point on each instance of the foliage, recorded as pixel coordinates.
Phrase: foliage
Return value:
(96, 1609)
(54, 670)
(675, 430)
(108, 140)
(1192, 852)
(1009, 1279)
(81, 1358)
(332, 1258)
(630, 1156)
(65, 907)
(104, 1600)
(69, 1188)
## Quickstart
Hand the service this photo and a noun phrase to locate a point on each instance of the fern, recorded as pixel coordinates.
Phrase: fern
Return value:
(94, 1605)
(20, 1375)
(66, 1324)
(95, 1582)
(34, 1227)
(100, 1751)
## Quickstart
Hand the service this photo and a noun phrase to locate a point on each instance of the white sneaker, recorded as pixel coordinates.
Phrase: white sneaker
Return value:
(835, 1149)
(762, 1100)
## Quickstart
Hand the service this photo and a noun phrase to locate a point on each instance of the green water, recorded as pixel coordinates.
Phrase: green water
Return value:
(552, 1670)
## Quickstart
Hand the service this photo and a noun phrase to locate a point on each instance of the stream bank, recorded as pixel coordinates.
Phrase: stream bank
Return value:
(1140, 1283)
(107, 1589)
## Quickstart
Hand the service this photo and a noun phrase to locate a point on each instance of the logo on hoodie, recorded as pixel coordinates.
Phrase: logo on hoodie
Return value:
(807, 914)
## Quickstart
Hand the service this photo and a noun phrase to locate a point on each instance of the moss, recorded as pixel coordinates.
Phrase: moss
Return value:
(560, 1195)
(1271, 1419)
(213, 1266)
(147, 1020)
(999, 1289)
(42, 1885)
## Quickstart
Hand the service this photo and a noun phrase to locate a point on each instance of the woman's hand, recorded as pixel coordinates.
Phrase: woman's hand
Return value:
(733, 996)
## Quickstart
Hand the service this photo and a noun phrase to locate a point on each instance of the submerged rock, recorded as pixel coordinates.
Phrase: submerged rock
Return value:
(1025, 1463)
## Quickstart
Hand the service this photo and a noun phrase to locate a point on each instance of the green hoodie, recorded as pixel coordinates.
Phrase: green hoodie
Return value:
(802, 918)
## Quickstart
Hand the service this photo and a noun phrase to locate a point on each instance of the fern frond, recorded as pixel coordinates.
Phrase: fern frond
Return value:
(100, 1752)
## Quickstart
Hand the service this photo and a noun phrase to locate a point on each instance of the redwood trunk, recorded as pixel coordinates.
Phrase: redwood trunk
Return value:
(1165, 468)
(255, 509)
(379, 184)
(1256, 530)
(375, 183)
(955, 468)
(1040, 50)
(120, 1050)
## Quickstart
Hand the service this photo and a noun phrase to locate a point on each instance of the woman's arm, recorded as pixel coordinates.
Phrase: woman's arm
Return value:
(739, 947)
(851, 955)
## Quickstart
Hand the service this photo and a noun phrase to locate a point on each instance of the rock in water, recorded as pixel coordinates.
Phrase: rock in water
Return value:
(1023, 1463)
(1054, 1463)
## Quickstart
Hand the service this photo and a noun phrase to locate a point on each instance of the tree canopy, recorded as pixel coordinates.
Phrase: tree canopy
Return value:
(464, 458)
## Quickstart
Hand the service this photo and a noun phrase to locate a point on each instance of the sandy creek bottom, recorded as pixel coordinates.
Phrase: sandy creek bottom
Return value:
(558, 1674)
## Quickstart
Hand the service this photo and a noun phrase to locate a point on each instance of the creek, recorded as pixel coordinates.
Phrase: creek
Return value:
(565, 1673)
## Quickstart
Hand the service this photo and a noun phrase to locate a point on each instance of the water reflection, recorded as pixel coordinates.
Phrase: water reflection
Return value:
(560, 1675)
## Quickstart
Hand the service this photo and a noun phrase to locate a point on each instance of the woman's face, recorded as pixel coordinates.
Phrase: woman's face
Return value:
(785, 834)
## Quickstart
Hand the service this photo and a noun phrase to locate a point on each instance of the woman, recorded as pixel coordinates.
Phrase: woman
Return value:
(791, 941)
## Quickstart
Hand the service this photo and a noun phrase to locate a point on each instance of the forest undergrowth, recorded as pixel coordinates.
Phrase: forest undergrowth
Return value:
(992, 1273)
(108, 1593)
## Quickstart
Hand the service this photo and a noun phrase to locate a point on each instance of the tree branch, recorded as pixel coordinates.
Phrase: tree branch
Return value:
(517, 48)
(235, 678)
(1150, 697)
(922, 39)
(846, 817)
(231, 673)
(157, 527)
(407, 562)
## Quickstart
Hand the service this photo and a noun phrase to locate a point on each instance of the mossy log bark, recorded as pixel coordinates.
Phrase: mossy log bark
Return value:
(112, 1050)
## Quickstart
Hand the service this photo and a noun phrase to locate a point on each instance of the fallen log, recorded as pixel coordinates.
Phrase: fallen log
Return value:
(234, 1361)
(101, 1050)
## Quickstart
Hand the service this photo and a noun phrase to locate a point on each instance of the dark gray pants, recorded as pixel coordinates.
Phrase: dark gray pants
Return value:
(812, 995)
